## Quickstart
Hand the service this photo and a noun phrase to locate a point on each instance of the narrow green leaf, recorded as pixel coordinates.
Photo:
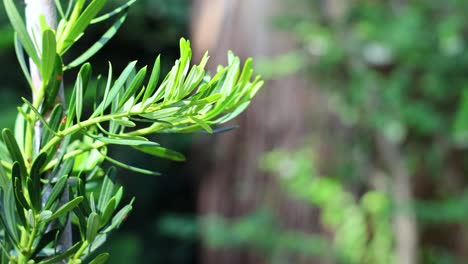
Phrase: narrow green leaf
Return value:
(184, 66)
(38, 115)
(78, 211)
(65, 168)
(36, 167)
(34, 194)
(233, 114)
(20, 28)
(81, 24)
(8, 230)
(56, 192)
(92, 203)
(64, 255)
(4, 179)
(17, 180)
(31, 221)
(92, 227)
(9, 212)
(109, 34)
(20, 201)
(22, 61)
(171, 89)
(133, 87)
(119, 218)
(246, 73)
(54, 124)
(202, 124)
(14, 149)
(161, 113)
(193, 79)
(81, 86)
(35, 176)
(131, 168)
(113, 12)
(161, 152)
(58, 4)
(108, 211)
(45, 239)
(79, 98)
(100, 259)
(67, 207)
(153, 81)
(206, 101)
(124, 122)
(49, 50)
(106, 189)
(118, 196)
(70, 6)
(115, 135)
(81, 190)
(53, 85)
(126, 142)
(44, 215)
(20, 126)
(116, 88)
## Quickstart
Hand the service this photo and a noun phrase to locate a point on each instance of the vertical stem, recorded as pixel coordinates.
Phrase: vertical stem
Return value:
(34, 9)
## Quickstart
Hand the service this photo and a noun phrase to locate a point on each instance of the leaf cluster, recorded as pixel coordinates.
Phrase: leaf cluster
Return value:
(51, 171)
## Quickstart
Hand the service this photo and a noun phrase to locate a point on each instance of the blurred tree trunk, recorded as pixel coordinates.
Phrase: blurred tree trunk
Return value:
(231, 183)
(280, 117)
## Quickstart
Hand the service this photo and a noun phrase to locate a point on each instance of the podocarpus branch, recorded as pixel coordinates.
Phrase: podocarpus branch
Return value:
(47, 153)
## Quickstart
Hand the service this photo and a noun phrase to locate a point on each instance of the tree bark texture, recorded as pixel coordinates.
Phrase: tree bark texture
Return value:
(231, 184)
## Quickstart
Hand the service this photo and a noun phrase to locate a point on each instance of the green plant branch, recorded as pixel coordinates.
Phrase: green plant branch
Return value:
(186, 100)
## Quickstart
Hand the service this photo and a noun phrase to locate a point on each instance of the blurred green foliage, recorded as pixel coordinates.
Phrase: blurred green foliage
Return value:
(395, 69)
(361, 227)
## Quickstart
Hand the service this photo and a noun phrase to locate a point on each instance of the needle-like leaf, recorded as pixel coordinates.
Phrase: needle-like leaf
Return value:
(20, 29)
(96, 47)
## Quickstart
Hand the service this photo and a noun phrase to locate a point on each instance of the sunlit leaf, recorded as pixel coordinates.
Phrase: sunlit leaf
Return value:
(64, 209)
(133, 87)
(153, 81)
(78, 27)
(49, 47)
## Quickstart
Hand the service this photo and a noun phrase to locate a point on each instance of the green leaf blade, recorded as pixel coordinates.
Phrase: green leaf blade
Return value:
(64, 209)
(161, 152)
(49, 48)
(20, 28)
(96, 47)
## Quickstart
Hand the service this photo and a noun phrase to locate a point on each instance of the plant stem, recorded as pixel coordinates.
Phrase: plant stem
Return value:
(34, 9)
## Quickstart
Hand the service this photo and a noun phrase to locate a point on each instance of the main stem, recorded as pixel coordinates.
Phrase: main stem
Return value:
(34, 9)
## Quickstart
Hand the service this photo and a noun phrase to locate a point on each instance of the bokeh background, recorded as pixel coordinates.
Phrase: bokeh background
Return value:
(355, 151)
